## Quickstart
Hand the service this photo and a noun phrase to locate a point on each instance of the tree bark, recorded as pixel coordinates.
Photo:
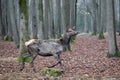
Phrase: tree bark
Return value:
(4, 16)
(1, 28)
(24, 34)
(45, 18)
(57, 18)
(102, 19)
(65, 14)
(37, 11)
(111, 28)
(94, 14)
(30, 17)
(17, 14)
(40, 28)
(13, 25)
(51, 20)
(86, 29)
(72, 13)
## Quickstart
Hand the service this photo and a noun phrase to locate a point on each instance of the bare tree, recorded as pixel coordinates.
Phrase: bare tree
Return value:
(57, 17)
(86, 28)
(24, 35)
(45, 18)
(30, 16)
(1, 35)
(40, 27)
(13, 24)
(102, 19)
(73, 13)
(94, 15)
(51, 19)
(111, 28)
(65, 14)
(4, 16)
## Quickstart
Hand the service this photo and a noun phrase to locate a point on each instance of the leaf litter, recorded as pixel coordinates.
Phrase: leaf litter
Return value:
(88, 57)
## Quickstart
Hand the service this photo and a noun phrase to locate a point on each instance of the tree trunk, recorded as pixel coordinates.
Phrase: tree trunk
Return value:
(30, 17)
(86, 29)
(24, 34)
(57, 18)
(116, 11)
(111, 28)
(72, 13)
(65, 14)
(3, 16)
(17, 14)
(40, 28)
(94, 14)
(102, 19)
(1, 28)
(51, 20)
(13, 25)
(45, 18)
(34, 20)
(9, 27)
(119, 16)
(37, 15)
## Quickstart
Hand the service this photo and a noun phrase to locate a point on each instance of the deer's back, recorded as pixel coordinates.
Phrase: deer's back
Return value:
(46, 48)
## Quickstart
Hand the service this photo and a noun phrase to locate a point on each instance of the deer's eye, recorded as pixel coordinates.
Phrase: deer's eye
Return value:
(38, 49)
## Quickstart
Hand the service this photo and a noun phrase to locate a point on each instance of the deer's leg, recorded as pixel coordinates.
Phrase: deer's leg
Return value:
(59, 62)
(23, 58)
(31, 62)
(69, 47)
(57, 57)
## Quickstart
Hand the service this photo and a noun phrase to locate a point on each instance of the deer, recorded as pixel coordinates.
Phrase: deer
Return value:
(46, 48)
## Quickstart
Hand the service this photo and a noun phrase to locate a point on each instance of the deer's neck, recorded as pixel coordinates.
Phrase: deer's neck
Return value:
(66, 39)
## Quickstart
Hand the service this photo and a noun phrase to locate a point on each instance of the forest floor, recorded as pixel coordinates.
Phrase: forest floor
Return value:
(86, 61)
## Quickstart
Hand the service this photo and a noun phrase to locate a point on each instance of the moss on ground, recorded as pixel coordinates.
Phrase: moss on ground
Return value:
(101, 37)
(117, 54)
(8, 38)
(51, 72)
(95, 33)
(20, 56)
(72, 39)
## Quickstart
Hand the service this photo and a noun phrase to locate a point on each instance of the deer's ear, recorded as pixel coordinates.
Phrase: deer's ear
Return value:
(61, 40)
(67, 29)
(73, 27)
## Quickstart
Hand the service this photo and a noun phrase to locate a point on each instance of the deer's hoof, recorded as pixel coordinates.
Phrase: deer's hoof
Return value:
(21, 69)
(34, 70)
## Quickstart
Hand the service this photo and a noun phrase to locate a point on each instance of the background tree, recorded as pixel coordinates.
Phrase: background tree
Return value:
(32, 18)
(13, 22)
(72, 13)
(40, 27)
(116, 10)
(102, 18)
(86, 28)
(24, 35)
(111, 28)
(51, 20)
(94, 15)
(57, 18)
(45, 18)
(1, 27)
(37, 11)
(3, 17)
(65, 14)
